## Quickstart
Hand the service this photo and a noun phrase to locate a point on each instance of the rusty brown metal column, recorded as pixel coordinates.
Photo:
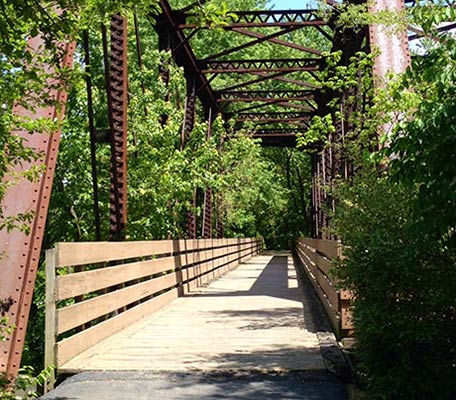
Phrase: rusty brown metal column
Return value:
(187, 127)
(189, 111)
(164, 45)
(393, 43)
(20, 252)
(117, 104)
(207, 207)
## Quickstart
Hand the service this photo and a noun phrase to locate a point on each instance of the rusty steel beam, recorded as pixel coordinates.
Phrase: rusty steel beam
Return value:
(278, 131)
(266, 96)
(20, 252)
(265, 99)
(189, 111)
(254, 94)
(118, 101)
(394, 48)
(207, 215)
(257, 19)
(252, 66)
(268, 116)
(279, 103)
(187, 127)
(418, 34)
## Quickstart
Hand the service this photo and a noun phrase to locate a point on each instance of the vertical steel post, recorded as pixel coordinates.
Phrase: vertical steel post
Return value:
(187, 127)
(93, 144)
(118, 101)
(393, 44)
(164, 45)
(189, 111)
(19, 252)
(207, 207)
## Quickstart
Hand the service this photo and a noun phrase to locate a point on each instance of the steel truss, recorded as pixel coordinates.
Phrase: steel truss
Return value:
(251, 66)
(258, 19)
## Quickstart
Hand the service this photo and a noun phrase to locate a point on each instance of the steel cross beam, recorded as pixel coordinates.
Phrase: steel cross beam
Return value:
(273, 116)
(266, 95)
(260, 65)
(258, 19)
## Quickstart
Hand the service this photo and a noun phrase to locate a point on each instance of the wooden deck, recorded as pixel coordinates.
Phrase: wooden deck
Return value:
(250, 319)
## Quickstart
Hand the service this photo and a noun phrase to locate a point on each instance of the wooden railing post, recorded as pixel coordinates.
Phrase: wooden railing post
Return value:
(51, 329)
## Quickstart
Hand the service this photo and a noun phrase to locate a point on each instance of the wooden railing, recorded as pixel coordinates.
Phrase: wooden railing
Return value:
(96, 289)
(315, 256)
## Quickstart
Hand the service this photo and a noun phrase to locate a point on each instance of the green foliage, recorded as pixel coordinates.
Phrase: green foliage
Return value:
(424, 145)
(212, 15)
(403, 280)
(26, 384)
(398, 231)
(24, 387)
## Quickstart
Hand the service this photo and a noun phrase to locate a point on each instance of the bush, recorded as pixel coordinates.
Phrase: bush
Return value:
(403, 276)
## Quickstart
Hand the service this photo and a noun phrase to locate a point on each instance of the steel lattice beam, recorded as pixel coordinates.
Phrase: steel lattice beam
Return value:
(266, 96)
(118, 101)
(283, 117)
(252, 66)
(253, 19)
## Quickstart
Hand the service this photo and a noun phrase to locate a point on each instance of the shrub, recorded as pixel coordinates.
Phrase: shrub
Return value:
(403, 276)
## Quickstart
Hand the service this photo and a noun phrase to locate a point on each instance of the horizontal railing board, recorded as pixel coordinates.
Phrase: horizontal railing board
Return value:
(76, 344)
(72, 254)
(86, 311)
(330, 248)
(325, 284)
(79, 283)
(81, 253)
(316, 256)
(85, 282)
(332, 314)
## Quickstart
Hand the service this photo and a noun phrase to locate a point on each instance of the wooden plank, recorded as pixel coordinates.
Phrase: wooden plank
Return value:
(324, 265)
(79, 283)
(330, 311)
(309, 242)
(85, 311)
(50, 318)
(96, 252)
(76, 344)
(323, 281)
(330, 291)
(330, 248)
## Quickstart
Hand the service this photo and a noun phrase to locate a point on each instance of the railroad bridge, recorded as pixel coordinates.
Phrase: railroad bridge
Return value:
(123, 294)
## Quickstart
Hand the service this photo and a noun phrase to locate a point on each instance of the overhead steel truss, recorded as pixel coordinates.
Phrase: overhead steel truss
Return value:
(257, 19)
(250, 66)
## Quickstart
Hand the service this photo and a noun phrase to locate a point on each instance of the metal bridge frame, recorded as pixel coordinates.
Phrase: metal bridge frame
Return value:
(20, 252)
